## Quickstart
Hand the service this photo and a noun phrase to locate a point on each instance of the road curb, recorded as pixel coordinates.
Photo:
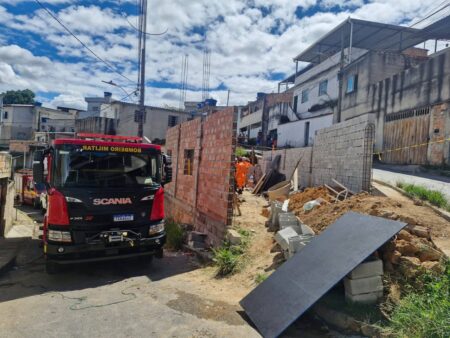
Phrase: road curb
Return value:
(438, 211)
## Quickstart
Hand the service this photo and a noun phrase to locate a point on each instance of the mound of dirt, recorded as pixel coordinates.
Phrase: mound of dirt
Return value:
(412, 250)
(296, 201)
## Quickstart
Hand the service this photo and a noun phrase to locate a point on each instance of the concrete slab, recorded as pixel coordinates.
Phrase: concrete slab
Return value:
(340, 248)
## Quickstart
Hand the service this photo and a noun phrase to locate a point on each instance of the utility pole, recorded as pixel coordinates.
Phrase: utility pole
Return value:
(141, 79)
(228, 97)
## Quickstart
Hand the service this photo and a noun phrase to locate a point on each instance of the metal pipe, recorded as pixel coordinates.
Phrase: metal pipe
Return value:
(351, 41)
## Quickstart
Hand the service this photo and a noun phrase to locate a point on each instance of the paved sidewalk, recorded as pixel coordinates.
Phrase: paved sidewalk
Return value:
(429, 181)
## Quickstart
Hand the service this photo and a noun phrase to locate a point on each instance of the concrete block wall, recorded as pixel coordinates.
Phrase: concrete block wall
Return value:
(289, 159)
(344, 152)
(203, 199)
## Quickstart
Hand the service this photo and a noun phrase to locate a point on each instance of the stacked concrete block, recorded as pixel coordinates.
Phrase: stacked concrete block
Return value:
(275, 210)
(364, 284)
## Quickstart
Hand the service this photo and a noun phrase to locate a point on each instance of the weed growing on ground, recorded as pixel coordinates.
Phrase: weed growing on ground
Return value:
(229, 258)
(260, 277)
(433, 196)
(424, 312)
(174, 234)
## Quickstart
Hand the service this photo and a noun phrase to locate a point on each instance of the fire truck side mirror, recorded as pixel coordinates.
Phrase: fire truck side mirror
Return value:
(167, 169)
(38, 167)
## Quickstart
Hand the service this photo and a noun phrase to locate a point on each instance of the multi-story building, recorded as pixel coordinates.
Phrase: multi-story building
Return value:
(109, 116)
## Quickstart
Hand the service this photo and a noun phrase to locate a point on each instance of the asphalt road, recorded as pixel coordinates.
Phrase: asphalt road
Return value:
(126, 299)
(431, 182)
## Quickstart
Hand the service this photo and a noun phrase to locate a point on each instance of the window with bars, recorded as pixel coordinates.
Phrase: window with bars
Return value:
(305, 95)
(138, 114)
(323, 87)
(188, 161)
(173, 121)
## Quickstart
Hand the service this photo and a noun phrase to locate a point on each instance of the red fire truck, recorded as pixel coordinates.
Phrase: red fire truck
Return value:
(105, 199)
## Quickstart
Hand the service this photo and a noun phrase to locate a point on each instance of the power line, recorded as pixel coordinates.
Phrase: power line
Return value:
(81, 42)
(430, 15)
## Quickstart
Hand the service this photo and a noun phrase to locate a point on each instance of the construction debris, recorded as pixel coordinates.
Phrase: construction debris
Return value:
(343, 246)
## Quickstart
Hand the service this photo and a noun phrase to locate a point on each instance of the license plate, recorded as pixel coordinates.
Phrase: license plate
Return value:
(123, 218)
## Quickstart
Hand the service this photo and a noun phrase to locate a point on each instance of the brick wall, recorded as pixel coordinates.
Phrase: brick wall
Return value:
(343, 152)
(203, 199)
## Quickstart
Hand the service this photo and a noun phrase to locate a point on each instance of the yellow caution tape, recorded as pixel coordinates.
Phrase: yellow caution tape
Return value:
(411, 146)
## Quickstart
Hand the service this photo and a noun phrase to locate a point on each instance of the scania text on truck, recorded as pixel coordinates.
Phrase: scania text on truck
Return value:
(105, 199)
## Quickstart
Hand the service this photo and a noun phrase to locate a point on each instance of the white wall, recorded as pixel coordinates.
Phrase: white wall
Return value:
(293, 133)
(326, 70)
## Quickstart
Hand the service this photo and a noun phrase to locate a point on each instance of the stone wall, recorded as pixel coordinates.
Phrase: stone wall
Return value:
(343, 152)
(203, 197)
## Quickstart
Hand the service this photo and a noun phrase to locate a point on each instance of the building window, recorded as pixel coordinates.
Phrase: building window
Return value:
(188, 161)
(96, 108)
(173, 120)
(295, 103)
(352, 83)
(305, 94)
(137, 115)
(5, 115)
(323, 87)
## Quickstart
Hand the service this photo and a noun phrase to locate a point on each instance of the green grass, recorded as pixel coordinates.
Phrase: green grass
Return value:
(260, 277)
(424, 311)
(240, 152)
(174, 234)
(433, 196)
(230, 258)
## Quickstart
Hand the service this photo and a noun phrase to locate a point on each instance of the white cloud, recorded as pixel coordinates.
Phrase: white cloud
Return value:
(248, 41)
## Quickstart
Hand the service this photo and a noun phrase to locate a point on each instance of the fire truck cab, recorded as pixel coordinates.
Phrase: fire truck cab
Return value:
(105, 199)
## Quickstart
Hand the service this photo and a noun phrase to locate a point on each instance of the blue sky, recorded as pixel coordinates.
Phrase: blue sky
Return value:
(252, 44)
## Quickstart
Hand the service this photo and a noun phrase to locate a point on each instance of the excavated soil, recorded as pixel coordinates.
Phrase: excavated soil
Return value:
(411, 251)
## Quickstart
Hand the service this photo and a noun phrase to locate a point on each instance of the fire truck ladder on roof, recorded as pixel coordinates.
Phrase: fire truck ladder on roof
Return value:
(116, 138)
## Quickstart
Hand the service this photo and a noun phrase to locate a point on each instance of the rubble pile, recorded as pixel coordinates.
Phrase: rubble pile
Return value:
(410, 252)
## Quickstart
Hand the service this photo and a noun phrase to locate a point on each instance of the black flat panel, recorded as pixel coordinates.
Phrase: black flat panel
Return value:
(303, 279)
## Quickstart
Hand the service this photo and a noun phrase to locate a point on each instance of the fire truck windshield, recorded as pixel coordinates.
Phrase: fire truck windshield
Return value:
(74, 167)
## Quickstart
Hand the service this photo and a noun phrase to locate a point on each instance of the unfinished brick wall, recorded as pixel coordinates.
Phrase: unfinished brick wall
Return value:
(343, 151)
(204, 198)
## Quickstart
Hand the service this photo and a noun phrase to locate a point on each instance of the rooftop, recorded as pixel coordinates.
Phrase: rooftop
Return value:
(372, 36)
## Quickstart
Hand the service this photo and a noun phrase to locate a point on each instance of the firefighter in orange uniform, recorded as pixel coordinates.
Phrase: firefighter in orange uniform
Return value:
(242, 167)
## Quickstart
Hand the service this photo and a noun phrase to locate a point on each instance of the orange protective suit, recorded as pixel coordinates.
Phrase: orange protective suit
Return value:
(241, 174)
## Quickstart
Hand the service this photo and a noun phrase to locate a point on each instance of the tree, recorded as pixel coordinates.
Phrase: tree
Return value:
(25, 96)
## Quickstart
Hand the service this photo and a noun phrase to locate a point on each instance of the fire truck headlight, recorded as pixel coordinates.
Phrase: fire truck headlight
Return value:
(59, 236)
(154, 229)
(73, 200)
